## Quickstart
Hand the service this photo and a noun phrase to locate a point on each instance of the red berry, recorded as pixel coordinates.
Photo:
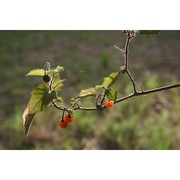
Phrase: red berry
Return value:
(68, 118)
(109, 104)
(63, 124)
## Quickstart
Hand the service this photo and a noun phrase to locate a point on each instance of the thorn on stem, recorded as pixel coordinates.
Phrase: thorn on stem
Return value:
(141, 87)
(119, 49)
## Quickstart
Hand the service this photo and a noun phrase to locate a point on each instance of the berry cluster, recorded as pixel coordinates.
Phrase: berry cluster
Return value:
(65, 121)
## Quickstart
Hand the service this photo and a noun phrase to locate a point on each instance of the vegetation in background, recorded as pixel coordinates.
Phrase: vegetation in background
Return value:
(150, 123)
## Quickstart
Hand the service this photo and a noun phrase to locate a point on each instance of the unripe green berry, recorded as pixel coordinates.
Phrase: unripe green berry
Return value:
(46, 78)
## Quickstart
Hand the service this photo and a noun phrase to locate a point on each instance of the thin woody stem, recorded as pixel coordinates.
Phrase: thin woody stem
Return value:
(86, 108)
(57, 106)
(62, 108)
(53, 101)
(126, 53)
(147, 92)
(126, 63)
(132, 80)
(121, 99)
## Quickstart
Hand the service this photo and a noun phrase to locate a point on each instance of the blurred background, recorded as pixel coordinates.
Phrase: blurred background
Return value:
(145, 122)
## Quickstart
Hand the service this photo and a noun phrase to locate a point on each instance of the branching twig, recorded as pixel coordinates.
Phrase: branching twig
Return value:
(133, 82)
(126, 53)
(119, 48)
(57, 106)
(102, 99)
(86, 108)
(147, 92)
(62, 108)
(126, 63)
(142, 92)
(53, 101)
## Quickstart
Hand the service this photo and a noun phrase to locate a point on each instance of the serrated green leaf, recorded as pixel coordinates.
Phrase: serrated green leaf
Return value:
(40, 98)
(57, 83)
(149, 32)
(110, 80)
(87, 92)
(36, 72)
(111, 94)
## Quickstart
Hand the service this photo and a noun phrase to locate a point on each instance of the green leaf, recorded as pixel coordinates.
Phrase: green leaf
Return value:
(27, 120)
(111, 94)
(54, 71)
(97, 87)
(73, 104)
(110, 80)
(36, 72)
(59, 99)
(87, 92)
(72, 113)
(59, 68)
(51, 72)
(149, 32)
(40, 98)
(57, 83)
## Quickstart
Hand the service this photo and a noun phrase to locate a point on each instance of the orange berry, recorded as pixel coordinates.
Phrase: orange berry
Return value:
(109, 104)
(63, 124)
(68, 118)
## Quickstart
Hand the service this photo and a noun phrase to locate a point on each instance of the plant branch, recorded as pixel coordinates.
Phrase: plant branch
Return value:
(122, 50)
(126, 63)
(104, 95)
(138, 93)
(86, 108)
(147, 92)
(126, 70)
(53, 101)
(126, 53)
(62, 108)
(57, 106)
(132, 80)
